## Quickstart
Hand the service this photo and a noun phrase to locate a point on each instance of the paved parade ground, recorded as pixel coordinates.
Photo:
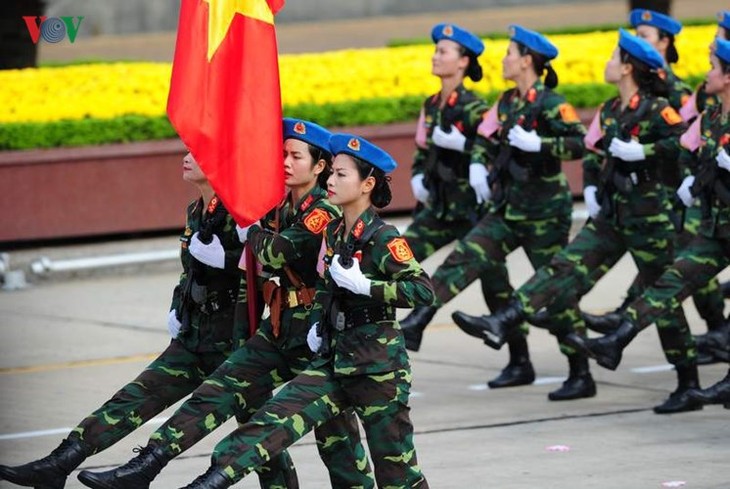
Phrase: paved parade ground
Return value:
(70, 342)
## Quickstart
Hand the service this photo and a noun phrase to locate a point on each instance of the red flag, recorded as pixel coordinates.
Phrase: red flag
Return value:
(225, 100)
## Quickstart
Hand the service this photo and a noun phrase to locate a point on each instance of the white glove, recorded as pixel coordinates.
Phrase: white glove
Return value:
(420, 192)
(478, 180)
(449, 140)
(589, 195)
(351, 278)
(723, 159)
(211, 254)
(524, 140)
(684, 193)
(314, 341)
(631, 151)
(173, 325)
(242, 233)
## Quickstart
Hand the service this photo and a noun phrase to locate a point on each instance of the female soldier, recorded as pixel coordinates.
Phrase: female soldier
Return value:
(640, 132)
(660, 30)
(451, 192)
(287, 247)
(523, 138)
(201, 324)
(708, 253)
(363, 362)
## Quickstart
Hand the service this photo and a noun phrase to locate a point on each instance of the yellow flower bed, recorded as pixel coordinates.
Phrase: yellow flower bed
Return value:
(106, 91)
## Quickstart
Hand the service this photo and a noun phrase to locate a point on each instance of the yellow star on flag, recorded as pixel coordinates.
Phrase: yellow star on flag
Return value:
(220, 16)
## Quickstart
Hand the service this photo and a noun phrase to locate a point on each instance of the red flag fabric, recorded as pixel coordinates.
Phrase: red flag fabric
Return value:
(225, 100)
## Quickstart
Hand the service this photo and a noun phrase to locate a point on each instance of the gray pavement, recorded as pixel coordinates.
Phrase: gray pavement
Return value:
(69, 344)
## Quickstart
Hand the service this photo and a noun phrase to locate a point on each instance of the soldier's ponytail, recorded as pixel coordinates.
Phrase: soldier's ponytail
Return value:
(320, 154)
(541, 65)
(672, 54)
(474, 69)
(381, 194)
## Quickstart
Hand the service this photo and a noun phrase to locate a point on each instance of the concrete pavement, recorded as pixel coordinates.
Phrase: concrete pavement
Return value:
(69, 344)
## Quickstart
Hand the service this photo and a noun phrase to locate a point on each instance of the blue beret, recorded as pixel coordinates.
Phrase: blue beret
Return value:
(722, 50)
(362, 149)
(457, 34)
(533, 40)
(723, 19)
(640, 16)
(306, 131)
(640, 49)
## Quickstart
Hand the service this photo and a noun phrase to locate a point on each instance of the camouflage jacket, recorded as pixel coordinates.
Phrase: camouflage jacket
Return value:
(679, 91)
(397, 281)
(557, 124)
(657, 126)
(211, 322)
(446, 172)
(714, 135)
(296, 244)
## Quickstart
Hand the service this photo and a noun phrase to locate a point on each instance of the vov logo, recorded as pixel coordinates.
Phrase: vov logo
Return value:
(52, 29)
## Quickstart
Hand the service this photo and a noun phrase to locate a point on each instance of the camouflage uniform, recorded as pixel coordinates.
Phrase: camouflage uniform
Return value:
(535, 212)
(193, 355)
(634, 217)
(708, 299)
(451, 210)
(367, 368)
(709, 252)
(275, 355)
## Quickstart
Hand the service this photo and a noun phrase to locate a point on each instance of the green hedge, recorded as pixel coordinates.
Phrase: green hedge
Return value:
(139, 128)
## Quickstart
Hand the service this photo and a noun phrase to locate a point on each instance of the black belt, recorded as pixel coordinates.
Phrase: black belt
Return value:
(626, 182)
(364, 315)
(535, 169)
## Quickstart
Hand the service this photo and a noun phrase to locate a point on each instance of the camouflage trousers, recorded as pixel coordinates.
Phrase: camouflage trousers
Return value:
(170, 377)
(702, 259)
(650, 242)
(707, 299)
(317, 395)
(483, 253)
(427, 233)
(242, 383)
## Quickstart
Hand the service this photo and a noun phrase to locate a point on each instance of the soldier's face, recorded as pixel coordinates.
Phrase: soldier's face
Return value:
(612, 72)
(345, 185)
(299, 169)
(717, 81)
(720, 34)
(447, 59)
(513, 62)
(650, 34)
(191, 171)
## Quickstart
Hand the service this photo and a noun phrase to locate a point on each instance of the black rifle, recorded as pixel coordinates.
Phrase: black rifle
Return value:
(334, 316)
(194, 290)
(499, 177)
(607, 187)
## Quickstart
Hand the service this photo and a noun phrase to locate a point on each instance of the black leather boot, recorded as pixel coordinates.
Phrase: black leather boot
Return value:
(519, 370)
(541, 319)
(714, 346)
(579, 383)
(496, 329)
(414, 324)
(606, 350)
(716, 394)
(679, 401)
(725, 289)
(604, 323)
(138, 473)
(214, 478)
(49, 472)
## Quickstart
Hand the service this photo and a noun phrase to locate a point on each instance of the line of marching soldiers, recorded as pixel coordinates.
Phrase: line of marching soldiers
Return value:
(656, 184)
